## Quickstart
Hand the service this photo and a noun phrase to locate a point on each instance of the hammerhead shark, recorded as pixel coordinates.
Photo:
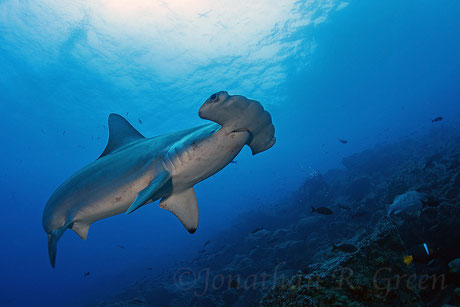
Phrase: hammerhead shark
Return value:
(133, 170)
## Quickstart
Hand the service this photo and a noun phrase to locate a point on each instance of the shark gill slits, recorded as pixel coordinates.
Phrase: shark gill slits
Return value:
(178, 154)
(188, 155)
(171, 159)
(164, 164)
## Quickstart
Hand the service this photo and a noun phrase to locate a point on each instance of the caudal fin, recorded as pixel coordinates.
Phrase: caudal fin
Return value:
(52, 243)
(52, 248)
(313, 209)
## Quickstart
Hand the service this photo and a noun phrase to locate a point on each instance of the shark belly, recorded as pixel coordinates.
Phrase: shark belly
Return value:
(115, 201)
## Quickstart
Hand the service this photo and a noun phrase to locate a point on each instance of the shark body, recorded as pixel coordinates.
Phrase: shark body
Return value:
(134, 171)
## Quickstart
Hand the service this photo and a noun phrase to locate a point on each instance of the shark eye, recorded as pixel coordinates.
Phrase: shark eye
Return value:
(214, 97)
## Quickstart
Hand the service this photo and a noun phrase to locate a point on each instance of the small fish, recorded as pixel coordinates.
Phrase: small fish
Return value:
(149, 268)
(342, 141)
(344, 207)
(322, 210)
(405, 201)
(127, 114)
(346, 248)
(43, 131)
(86, 274)
(256, 230)
(419, 254)
(120, 246)
(203, 14)
(206, 243)
(140, 121)
(437, 119)
(234, 162)
(64, 132)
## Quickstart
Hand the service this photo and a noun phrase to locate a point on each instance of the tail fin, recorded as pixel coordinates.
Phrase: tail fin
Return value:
(52, 243)
(334, 247)
(313, 209)
(52, 247)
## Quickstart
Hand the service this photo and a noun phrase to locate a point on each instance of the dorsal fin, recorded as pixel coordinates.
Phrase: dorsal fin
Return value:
(120, 133)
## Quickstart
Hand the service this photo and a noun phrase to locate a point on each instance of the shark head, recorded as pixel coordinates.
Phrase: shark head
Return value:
(238, 113)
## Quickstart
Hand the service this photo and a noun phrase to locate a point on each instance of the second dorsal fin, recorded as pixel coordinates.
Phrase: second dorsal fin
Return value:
(120, 133)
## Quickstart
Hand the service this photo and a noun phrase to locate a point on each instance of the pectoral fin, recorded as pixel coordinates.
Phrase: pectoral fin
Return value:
(146, 194)
(184, 206)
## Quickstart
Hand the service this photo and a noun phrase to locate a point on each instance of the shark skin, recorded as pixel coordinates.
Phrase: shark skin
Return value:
(134, 171)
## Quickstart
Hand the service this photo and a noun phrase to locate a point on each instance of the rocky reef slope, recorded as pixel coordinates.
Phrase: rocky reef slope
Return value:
(290, 260)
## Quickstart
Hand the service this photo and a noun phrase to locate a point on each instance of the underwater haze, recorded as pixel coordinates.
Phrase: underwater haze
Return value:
(337, 77)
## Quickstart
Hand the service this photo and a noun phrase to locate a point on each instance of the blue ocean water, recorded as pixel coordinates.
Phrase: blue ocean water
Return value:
(369, 72)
